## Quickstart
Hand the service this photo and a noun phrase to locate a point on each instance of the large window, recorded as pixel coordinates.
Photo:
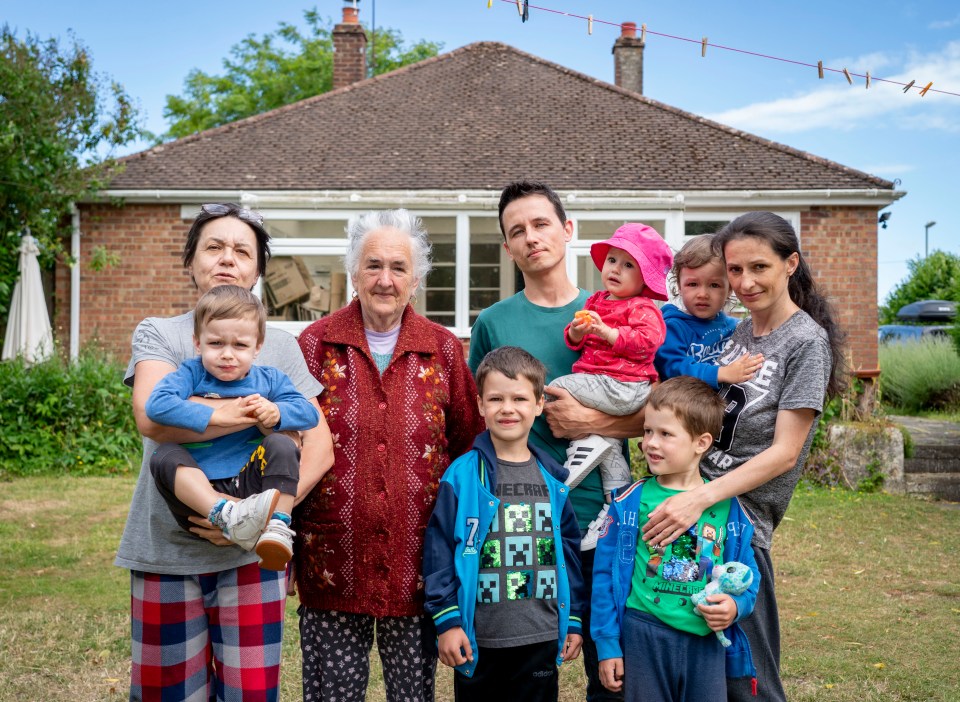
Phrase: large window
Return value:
(471, 269)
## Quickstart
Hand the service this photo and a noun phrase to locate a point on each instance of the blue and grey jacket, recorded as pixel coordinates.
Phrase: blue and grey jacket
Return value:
(613, 571)
(458, 527)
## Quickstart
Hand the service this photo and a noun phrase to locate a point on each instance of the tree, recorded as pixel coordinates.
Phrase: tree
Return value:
(59, 125)
(936, 277)
(277, 69)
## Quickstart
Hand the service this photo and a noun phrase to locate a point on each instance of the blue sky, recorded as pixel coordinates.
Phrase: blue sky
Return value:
(150, 47)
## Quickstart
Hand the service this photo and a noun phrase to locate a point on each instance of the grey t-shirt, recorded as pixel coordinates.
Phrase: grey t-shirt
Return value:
(517, 582)
(795, 373)
(152, 540)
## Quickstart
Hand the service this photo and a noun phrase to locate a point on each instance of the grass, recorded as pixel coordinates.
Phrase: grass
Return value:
(868, 586)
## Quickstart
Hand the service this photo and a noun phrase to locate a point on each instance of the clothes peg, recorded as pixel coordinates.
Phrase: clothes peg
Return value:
(820, 69)
(926, 88)
(703, 48)
(847, 74)
(590, 24)
(909, 85)
(525, 14)
(520, 8)
(643, 34)
(489, 4)
(868, 80)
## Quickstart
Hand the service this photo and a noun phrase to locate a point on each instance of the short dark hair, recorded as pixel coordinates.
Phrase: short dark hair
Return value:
(229, 302)
(525, 188)
(228, 209)
(513, 362)
(695, 404)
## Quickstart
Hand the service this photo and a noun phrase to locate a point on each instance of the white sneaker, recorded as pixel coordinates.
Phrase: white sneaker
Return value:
(275, 546)
(589, 541)
(243, 522)
(583, 455)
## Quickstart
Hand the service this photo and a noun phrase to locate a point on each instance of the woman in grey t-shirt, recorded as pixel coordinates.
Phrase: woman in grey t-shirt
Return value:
(205, 617)
(770, 420)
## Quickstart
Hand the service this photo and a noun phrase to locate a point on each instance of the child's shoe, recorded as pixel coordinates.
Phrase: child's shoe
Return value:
(243, 522)
(593, 530)
(583, 455)
(275, 546)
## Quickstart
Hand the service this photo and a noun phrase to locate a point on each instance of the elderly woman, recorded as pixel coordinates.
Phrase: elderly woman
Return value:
(199, 610)
(401, 404)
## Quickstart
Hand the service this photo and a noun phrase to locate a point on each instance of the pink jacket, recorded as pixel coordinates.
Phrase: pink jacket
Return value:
(642, 332)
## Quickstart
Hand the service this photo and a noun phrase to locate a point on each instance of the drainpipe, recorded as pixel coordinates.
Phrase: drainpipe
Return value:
(75, 283)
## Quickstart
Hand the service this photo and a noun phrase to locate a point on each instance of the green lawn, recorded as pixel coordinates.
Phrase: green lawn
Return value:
(868, 585)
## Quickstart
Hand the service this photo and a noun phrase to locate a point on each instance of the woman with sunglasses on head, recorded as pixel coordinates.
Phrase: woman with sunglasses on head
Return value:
(207, 621)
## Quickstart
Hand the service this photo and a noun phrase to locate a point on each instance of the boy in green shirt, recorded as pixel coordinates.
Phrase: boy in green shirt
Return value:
(639, 587)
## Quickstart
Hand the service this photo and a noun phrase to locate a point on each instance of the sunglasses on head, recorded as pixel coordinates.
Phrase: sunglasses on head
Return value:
(218, 210)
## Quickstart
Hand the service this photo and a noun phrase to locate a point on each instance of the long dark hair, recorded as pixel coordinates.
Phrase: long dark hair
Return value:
(803, 289)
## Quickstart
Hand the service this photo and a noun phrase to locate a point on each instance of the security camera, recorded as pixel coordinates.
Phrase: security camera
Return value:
(883, 219)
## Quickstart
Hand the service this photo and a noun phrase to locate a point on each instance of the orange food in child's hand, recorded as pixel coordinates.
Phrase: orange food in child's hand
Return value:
(582, 316)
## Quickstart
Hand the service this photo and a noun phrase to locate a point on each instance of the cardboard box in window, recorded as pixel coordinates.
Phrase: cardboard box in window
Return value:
(338, 291)
(319, 300)
(288, 280)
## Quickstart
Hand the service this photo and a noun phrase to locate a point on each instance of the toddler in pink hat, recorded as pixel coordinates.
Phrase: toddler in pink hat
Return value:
(618, 334)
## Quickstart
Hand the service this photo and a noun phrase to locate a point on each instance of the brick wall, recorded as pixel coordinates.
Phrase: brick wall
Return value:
(840, 244)
(149, 280)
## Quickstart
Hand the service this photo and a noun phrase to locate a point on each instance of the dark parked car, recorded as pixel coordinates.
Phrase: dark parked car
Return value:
(894, 333)
(942, 311)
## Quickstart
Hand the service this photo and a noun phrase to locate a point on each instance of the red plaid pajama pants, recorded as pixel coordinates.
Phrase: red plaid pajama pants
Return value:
(207, 637)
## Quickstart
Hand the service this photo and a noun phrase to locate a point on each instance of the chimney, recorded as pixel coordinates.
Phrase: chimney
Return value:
(349, 48)
(628, 59)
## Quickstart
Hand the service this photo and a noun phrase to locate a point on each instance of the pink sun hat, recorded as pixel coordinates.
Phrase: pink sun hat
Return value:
(648, 249)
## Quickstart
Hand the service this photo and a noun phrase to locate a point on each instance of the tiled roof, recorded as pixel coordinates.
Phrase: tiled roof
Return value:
(478, 117)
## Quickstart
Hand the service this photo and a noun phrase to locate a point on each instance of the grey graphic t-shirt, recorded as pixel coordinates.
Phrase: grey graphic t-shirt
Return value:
(795, 373)
(517, 583)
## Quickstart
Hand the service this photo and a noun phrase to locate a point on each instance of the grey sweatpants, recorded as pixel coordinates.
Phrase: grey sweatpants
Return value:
(763, 632)
(613, 397)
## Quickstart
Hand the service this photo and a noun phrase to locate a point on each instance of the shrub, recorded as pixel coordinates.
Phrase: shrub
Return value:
(920, 374)
(60, 417)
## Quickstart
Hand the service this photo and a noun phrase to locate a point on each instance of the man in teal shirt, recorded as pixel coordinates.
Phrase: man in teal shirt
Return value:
(536, 232)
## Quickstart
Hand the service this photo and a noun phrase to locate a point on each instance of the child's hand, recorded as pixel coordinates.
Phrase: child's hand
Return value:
(232, 412)
(741, 370)
(454, 647)
(720, 613)
(589, 322)
(571, 647)
(266, 413)
(582, 319)
(611, 674)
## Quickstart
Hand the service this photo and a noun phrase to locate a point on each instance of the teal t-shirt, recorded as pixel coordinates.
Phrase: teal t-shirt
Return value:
(539, 330)
(665, 578)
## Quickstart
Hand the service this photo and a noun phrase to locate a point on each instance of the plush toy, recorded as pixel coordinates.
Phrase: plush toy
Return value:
(730, 578)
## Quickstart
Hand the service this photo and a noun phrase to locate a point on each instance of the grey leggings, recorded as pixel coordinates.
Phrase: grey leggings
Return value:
(336, 656)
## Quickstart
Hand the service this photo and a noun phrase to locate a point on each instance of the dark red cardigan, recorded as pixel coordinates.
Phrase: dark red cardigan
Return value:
(360, 532)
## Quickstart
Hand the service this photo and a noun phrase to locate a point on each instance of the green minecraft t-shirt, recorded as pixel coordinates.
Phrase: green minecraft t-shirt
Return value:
(665, 578)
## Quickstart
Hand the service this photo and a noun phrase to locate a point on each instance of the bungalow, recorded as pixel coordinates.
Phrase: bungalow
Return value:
(441, 138)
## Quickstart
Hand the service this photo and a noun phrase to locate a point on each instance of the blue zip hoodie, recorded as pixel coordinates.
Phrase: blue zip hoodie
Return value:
(613, 571)
(693, 345)
(458, 527)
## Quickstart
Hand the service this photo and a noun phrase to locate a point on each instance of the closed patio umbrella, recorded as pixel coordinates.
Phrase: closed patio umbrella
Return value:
(28, 326)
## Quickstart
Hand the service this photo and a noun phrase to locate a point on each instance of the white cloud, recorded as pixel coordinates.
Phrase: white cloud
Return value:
(836, 105)
(945, 24)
